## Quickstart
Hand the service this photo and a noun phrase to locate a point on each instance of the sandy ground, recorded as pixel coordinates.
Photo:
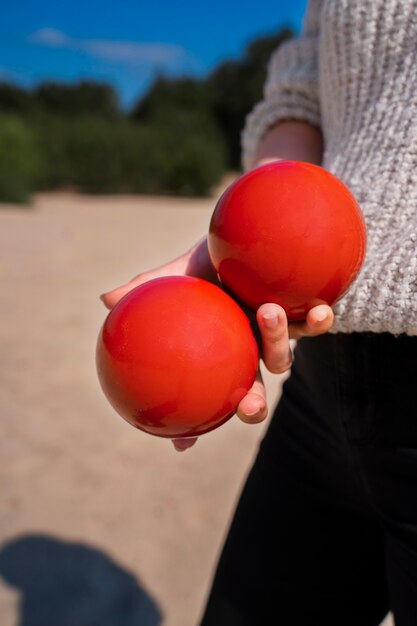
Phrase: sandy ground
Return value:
(99, 523)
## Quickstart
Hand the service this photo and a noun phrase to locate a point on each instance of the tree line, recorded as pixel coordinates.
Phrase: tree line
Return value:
(180, 138)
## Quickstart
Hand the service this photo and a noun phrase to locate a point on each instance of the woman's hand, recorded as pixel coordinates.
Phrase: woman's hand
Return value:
(271, 319)
(276, 354)
(276, 351)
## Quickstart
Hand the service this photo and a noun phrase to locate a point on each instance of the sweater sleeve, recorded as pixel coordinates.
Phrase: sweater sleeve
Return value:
(291, 88)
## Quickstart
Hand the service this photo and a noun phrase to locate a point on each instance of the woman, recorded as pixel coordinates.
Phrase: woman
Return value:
(325, 532)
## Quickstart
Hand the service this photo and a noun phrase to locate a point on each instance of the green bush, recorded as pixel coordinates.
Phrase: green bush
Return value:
(177, 154)
(19, 160)
(52, 138)
(95, 152)
(82, 152)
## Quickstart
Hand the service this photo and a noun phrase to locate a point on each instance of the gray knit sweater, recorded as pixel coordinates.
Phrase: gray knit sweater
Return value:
(353, 73)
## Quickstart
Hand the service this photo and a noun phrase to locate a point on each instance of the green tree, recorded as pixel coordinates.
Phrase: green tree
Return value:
(226, 95)
(15, 99)
(236, 86)
(167, 94)
(179, 138)
(83, 98)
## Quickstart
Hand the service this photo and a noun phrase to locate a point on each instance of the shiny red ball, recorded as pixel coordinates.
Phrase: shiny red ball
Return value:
(175, 356)
(287, 232)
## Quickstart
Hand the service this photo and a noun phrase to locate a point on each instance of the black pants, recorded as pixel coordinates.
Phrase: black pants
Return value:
(325, 532)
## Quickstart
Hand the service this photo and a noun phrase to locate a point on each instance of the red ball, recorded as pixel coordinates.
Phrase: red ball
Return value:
(287, 232)
(175, 356)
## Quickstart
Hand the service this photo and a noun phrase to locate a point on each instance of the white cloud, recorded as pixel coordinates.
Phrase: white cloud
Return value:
(159, 55)
(131, 51)
(50, 37)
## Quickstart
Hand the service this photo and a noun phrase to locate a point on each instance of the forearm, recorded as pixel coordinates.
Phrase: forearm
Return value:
(292, 140)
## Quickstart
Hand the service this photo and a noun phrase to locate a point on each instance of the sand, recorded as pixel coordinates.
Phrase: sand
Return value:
(99, 523)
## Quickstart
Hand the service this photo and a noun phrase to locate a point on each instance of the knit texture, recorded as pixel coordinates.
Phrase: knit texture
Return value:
(353, 72)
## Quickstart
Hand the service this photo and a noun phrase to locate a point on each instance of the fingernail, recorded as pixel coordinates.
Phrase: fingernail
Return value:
(321, 315)
(253, 413)
(102, 296)
(270, 320)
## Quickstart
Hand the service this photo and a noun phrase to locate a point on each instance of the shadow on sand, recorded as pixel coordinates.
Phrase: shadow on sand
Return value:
(71, 584)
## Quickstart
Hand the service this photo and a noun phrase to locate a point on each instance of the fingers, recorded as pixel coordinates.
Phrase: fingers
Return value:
(273, 324)
(183, 444)
(276, 332)
(253, 408)
(319, 320)
(175, 267)
(112, 297)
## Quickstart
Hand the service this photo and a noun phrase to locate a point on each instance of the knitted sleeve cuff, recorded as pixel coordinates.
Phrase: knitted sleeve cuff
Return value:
(291, 89)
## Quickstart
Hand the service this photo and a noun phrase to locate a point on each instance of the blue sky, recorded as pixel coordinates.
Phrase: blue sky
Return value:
(126, 43)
